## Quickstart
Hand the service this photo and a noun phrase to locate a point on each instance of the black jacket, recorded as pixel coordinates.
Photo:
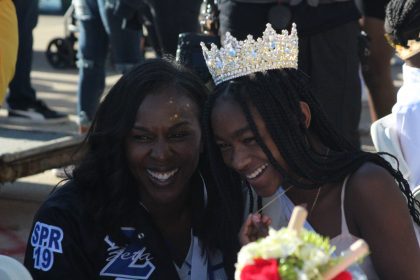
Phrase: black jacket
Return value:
(66, 243)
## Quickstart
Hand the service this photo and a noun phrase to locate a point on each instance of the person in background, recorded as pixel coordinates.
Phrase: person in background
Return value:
(328, 41)
(22, 100)
(376, 69)
(269, 139)
(141, 204)
(402, 26)
(172, 18)
(100, 28)
(8, 45)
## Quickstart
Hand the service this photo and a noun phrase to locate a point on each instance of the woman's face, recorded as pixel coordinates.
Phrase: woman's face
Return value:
(163, 147)
(240, 150)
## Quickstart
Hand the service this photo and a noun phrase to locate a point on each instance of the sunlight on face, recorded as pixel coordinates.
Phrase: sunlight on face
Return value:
(239, 148)
(164, 144)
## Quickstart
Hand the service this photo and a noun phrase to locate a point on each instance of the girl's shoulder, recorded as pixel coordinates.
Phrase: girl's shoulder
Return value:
(369, 189)
(370, 177)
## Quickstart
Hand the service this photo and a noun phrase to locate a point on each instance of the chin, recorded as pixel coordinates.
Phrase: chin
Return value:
(265, 192)
(161, 196)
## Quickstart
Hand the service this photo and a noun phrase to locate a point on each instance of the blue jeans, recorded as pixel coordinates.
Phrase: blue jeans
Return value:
(99, 27)
(21, 93)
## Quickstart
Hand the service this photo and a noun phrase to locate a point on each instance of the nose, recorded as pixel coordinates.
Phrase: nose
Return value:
(240, 160)
(160, 150)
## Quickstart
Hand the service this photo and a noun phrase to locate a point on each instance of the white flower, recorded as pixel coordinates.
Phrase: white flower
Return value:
(308, 251)
(313, 256)
(248, 253)
(301, 275)
(238, 270)
(279, 244)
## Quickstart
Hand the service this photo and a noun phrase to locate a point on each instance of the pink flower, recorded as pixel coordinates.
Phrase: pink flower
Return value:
(261, 270)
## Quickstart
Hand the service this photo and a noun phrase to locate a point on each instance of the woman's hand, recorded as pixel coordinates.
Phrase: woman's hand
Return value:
(255, 227)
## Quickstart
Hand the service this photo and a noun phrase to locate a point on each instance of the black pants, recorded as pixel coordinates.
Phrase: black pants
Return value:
(329, 57)
(172, 18)
(21, 93)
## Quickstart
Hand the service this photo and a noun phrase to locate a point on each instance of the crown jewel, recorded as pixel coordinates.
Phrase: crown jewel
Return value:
(240, 58)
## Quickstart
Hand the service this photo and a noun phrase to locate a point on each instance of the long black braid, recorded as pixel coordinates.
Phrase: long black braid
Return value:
(230, 196)
(276, 94)
(402, 20)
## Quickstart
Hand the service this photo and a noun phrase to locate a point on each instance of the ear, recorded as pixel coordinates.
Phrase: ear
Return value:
(304, 107)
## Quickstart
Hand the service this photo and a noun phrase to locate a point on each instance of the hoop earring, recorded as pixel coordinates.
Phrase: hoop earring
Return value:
(205, 195)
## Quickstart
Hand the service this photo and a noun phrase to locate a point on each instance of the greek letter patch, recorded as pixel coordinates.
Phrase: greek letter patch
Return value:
(130, 262)
(46, 240)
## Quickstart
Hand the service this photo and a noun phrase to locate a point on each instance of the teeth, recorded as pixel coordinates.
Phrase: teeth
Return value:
(257, 172)
(162, 176)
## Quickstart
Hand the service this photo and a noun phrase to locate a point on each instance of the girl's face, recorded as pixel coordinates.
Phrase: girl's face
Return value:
(240, 150)
(163, 147)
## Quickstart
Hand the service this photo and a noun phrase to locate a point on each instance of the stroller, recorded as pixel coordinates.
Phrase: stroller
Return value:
(61, 53)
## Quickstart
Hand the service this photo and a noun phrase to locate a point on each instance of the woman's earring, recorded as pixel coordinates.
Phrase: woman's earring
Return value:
(205, 196)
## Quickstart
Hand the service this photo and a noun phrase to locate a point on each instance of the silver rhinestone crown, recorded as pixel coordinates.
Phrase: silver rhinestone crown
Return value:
(240, 58)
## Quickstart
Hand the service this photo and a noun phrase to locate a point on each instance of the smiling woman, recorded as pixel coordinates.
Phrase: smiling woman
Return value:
(141, 204)
(163, 147)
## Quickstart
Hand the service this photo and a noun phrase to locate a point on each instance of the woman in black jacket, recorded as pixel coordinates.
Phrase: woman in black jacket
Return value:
(140, 205)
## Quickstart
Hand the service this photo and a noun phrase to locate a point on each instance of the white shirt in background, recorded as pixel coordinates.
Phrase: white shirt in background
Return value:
(407, 121)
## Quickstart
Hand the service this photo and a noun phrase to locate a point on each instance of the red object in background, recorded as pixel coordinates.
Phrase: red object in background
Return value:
(12, 244)
(345, 275)
(262, 270)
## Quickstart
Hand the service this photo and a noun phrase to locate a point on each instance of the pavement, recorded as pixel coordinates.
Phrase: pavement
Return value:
(19, 200)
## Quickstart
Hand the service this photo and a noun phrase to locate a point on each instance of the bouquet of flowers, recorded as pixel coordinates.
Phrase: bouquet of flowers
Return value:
(294, 253)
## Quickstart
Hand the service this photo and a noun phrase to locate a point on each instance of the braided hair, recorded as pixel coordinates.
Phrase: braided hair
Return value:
(276, 94)
(402, 20)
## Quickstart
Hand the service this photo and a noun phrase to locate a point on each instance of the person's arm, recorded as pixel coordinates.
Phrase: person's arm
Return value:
(54, 249)
(377, 209)
(376, 69)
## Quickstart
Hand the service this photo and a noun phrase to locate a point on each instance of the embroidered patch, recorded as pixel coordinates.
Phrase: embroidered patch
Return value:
(46, 240)
(130, 262)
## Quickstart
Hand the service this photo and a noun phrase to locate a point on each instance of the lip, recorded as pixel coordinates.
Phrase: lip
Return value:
(162, 177)
(257, 172)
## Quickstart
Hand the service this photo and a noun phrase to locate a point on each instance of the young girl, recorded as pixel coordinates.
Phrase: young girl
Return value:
(263, 123)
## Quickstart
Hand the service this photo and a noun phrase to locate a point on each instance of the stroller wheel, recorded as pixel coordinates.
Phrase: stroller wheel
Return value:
(60, 53)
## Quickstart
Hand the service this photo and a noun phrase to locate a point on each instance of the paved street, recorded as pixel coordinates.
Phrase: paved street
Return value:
(19, 200)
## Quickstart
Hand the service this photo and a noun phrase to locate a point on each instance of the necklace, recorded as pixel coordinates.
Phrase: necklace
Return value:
(144, 206)
(315, 201)
(271, 201)
(319, 190)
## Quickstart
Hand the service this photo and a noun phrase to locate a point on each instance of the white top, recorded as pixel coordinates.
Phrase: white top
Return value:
(343, 241)
(406, 114)
(201, 266)
(11, 269)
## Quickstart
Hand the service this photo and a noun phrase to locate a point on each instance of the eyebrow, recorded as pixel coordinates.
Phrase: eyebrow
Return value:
(180, 124)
